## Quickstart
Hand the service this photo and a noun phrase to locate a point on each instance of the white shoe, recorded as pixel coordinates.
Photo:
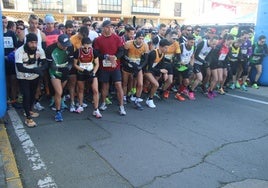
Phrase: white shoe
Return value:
(80, 109)
(84, 105)
(139, 99)
(72, 108)
(150, 103)
(38, 106)
(132, 98)
(103, 107)
(122, 111)
(97, 113)
(125, 99)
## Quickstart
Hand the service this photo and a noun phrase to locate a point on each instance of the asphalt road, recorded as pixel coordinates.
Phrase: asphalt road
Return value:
(202, 143)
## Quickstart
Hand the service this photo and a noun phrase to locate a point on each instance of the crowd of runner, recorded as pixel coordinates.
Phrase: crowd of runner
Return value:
(136, 63)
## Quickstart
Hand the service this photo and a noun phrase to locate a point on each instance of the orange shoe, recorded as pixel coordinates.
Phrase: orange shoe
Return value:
(179, 97)
(166, 94)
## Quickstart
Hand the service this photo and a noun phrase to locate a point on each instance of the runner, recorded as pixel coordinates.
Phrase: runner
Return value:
(110, 49)
(86, 62)
(155, 69)
(259, 51)
(60, 59)
(134, 60)
(30, 62)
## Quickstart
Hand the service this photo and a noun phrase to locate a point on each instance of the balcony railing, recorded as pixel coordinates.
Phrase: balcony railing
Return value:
(145, 10)
(108, 8)
(47, 5)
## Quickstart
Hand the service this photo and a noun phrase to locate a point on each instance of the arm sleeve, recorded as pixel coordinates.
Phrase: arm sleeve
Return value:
(21, 68)
(198, 50)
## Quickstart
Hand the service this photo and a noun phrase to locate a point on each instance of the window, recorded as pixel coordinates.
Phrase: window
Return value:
(47, 5)
(177, 9)
(81, 6)
(8, 4)
(146, 6)
(110, 6)
(147, 3)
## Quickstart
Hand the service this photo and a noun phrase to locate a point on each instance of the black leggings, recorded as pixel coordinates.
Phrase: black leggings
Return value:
(28, 90)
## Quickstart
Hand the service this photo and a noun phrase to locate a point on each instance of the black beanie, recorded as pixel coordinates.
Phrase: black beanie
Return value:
(31, 37)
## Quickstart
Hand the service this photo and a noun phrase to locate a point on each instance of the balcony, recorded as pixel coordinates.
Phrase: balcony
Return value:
(109, 8)
(145, 10)
(47, 5)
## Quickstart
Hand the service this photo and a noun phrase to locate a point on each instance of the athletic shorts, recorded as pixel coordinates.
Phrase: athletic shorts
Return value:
(107, 76)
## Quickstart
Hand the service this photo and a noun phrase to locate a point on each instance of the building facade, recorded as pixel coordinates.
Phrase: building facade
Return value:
(145, 11)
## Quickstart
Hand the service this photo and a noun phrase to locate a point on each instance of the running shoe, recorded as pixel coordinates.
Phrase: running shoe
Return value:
(84, 105)
(138, 105)
(210, 95)
(52, 102)
(125, 99)
(185, 92)
(237, 85)
(214, 94)
(244, 87)
(221, 91)
(174, 89)
(191, 95)
(58, 117)
(232, 86)
(72, 108)
(150, 103)
(79, 109)
(166, 94)
(63, 105)
(132, 98)
(255, 86)
(122, 111)
(103, 106)
(139, 99)
(179, 97)
(30, 123)
(108, 101)
(38, 106)
(97, 114)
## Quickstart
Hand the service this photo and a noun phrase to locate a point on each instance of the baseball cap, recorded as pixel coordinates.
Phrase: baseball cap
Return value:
(106, 23)
(164, 42)
(64, 40)
(49, 19)
(139, 34)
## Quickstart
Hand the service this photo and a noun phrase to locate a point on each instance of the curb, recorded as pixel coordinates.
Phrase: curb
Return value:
(11, 173)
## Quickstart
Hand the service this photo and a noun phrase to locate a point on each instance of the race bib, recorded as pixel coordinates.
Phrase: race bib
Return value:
(86, 66)
(256, 58)
(106, 63)
(244, 51)
(222, 57)
(8, 42)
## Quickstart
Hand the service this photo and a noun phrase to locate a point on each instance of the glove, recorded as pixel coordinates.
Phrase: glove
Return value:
(38, 71)
(53, 66)
(58, 74)
(92, 74)
(86, 72)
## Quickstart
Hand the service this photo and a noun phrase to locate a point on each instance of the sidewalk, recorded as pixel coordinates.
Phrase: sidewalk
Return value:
(9, 175)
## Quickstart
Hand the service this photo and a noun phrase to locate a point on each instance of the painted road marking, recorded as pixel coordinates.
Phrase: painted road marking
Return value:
(249, 99)
(36, 163)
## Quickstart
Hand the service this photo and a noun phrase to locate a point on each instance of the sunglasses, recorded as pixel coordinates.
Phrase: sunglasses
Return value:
(20, 28)
(88, 25)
